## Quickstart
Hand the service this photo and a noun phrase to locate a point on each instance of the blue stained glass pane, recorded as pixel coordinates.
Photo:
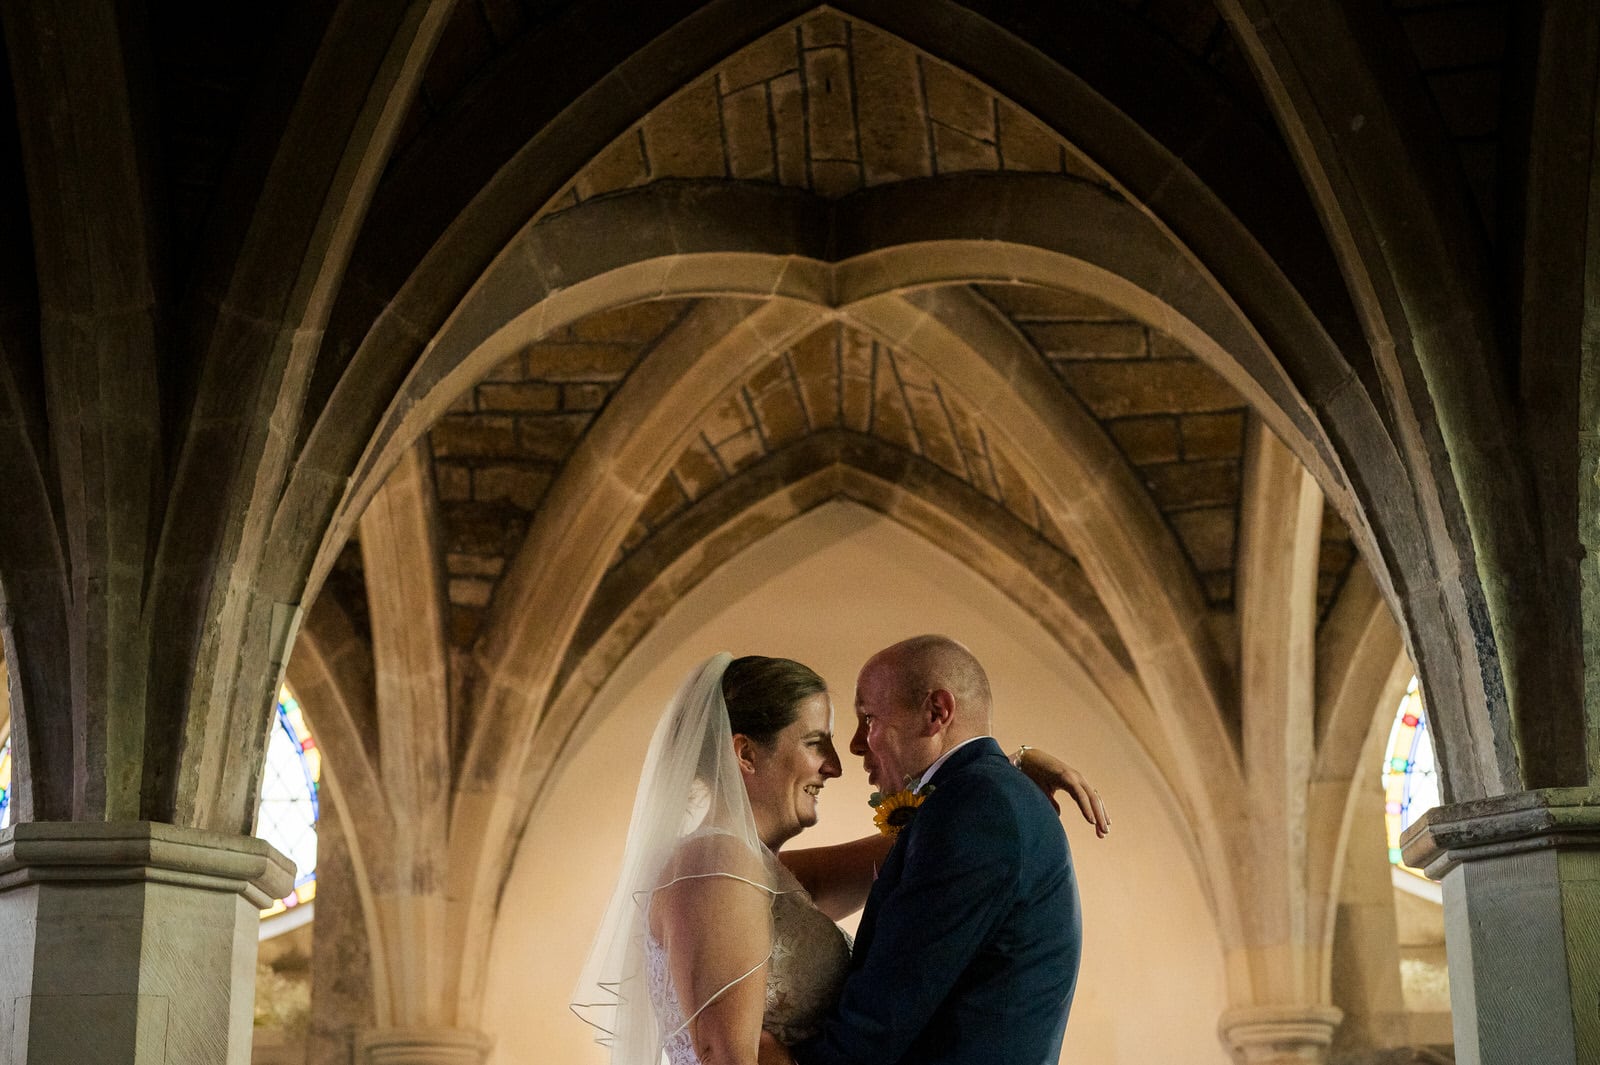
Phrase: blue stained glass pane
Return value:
(1411, 782)
(289, 810)
(5, 783)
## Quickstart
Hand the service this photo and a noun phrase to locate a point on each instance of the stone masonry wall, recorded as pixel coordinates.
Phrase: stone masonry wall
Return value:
(837, 378)
(503, 443)
(1175, 420)
(829, 105)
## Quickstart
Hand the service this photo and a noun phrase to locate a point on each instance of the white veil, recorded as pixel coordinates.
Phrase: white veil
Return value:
(690, 786)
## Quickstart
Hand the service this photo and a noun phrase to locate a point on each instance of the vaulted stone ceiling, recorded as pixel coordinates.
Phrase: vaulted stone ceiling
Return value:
(504, 442)
(1459, 46)
(1175, 422)
(831, 105)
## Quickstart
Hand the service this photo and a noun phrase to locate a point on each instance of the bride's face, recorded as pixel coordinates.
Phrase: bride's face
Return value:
(788, 775)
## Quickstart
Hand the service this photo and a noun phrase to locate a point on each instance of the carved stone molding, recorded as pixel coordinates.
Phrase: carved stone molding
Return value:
(1279, 1035)
(422, 1046)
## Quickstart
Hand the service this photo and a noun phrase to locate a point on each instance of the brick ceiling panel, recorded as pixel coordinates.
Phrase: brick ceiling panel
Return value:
(503, 443)
(830, 105)
(1180, 427)
(1176, 422)
(842, 380)
(1460, 49)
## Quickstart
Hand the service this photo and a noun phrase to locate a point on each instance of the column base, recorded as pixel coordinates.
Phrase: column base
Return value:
(1521, 877)
(131, 943)
(422, 1046)
(1279, 1035)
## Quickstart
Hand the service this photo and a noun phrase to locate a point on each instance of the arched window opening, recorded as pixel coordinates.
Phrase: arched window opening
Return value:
(290, 806)
(289, 801)
(5, 783)
(1410, 774)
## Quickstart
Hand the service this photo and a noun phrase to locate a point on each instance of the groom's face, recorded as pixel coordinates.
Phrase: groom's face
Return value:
(891, 736)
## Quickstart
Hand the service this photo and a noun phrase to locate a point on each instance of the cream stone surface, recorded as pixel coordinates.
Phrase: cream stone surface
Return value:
(130, 942)
(262, 279)
(829, 589)
(1521, 878)
(421, 1046)
(1279, 1035)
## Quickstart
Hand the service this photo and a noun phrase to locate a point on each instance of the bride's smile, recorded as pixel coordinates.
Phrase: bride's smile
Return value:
(785, 778)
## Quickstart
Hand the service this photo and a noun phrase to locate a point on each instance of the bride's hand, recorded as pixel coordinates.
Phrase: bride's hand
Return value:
(1053, 775)
(772, 1052)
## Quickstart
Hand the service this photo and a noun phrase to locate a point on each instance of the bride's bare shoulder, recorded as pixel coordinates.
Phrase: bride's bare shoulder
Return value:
(712, 854)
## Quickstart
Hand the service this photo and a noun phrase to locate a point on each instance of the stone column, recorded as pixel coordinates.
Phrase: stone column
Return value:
(130, 943)
(341, 957)
(1521, 877)
(1279, 1035)
(422, 1046)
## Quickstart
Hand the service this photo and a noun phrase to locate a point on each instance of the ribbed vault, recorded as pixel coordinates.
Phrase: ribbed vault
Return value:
(675, 350)
(463, 335)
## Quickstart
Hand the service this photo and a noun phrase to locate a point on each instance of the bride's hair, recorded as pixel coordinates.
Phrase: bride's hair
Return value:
(764, 695)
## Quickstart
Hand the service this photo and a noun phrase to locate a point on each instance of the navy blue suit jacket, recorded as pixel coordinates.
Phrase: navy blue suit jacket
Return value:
(968, 949)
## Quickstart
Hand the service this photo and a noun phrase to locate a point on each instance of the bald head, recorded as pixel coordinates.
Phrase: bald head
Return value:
(930, 663)
(915, 701)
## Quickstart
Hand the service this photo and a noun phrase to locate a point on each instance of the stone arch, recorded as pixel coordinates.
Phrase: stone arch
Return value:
(624, 456)
(331, 672)
(1230, 298)
(1304, 333)
(840, 465)
(785, 487)
(761, 241)
(627, 450)
(1417, 272)
(407, 308)
(1362, 670)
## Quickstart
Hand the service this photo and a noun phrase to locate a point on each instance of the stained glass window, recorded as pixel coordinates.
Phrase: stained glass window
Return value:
(1410, 776)
(5, 783)
(289, 806)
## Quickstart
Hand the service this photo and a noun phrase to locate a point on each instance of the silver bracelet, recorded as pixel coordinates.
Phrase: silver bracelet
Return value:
(1016, 759)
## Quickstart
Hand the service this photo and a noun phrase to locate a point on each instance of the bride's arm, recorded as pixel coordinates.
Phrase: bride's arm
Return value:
(773, 1052)
(716, 930)
(1053, 775)
(838, 877)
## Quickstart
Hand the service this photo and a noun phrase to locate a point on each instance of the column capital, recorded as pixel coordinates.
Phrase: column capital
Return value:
(1279, 1035)
(109, 852)
(422, 1046)
(1523, 821)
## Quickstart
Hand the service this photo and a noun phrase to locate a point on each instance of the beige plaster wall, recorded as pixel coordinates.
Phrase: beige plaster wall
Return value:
(829, 589)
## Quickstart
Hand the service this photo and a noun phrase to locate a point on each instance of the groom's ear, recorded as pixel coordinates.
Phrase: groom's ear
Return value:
(940, 707)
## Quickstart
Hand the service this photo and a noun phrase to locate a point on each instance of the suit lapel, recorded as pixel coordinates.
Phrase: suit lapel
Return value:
(894, 862)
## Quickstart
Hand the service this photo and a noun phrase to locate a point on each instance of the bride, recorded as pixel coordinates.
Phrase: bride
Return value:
(712, 937)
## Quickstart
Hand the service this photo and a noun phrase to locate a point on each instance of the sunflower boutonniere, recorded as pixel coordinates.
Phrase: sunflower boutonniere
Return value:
(895, 811)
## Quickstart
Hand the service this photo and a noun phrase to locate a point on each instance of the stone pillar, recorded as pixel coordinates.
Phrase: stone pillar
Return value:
(130, 943)
(1521, 877)
(1366, 940)
(422, 1046)
(341, 958)
(1279, 1035)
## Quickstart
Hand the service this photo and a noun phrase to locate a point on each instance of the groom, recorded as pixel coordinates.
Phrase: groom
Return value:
(968, 949)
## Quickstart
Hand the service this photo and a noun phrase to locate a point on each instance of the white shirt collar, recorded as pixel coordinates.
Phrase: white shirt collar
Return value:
(927, 774)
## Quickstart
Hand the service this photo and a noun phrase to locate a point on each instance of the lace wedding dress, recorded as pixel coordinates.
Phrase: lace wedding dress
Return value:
(805, 972)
